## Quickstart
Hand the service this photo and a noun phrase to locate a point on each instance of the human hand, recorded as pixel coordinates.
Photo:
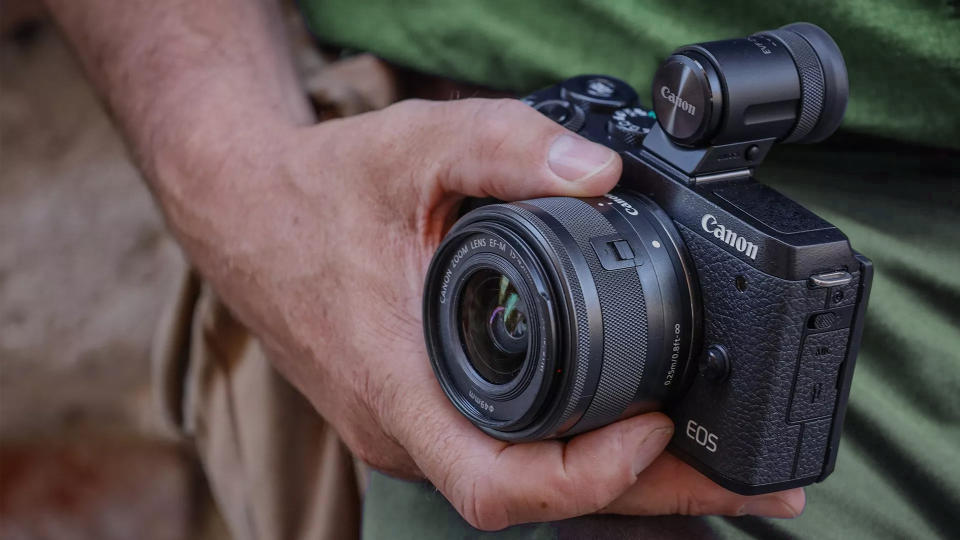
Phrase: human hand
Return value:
(323, 252)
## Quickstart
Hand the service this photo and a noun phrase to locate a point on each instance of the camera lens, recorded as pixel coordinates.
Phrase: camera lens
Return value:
(789, 84)
(493, 322)
(554, 316)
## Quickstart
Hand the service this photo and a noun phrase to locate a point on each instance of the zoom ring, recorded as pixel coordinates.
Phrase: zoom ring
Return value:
(622, 307)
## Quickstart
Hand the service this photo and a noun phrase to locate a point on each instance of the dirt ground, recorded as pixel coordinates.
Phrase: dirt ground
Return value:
(85, 269)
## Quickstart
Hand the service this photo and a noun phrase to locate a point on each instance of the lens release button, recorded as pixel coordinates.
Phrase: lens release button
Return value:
(714, 364)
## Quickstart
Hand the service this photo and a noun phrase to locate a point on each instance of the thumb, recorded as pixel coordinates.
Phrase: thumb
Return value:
(507, 150)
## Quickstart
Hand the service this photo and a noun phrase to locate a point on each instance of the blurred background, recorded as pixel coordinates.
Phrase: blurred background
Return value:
(82, 454)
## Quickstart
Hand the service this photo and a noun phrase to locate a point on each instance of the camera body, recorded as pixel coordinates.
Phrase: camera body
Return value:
(782, 295)
(690, 288)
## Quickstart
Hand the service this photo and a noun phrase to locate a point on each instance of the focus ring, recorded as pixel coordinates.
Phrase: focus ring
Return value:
(811, 82)
(623, 314)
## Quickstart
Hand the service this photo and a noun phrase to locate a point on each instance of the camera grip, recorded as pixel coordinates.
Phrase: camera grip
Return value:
(767, 425)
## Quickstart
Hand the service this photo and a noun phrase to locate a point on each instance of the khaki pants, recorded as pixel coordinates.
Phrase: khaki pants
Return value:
(275, 468)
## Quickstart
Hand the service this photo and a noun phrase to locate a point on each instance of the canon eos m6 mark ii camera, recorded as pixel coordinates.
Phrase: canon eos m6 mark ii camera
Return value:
(691, 288)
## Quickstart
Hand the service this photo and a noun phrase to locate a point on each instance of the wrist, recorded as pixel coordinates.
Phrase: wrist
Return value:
(210, 181)
(181, 150)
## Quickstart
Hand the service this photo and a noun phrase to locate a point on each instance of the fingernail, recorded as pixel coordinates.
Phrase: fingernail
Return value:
(770, 507)
(575, 158)
(651, 447)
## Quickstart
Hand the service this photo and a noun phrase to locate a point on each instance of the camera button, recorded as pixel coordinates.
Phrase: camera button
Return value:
(623, 250)
(830, 279)
(598, 92)
(562, 112)
(614, 253)
(714, 364)
(823, 321)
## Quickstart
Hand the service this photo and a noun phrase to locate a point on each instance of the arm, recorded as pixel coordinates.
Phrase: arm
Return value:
(317, 238)
(204, 93)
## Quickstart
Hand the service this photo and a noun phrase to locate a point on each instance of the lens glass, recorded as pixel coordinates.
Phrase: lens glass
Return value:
(494, 326)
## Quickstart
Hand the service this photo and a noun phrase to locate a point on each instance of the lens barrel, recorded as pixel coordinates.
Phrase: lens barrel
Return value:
(610, 314)
(789, 84)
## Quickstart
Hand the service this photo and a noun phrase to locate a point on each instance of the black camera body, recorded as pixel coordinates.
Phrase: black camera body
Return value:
(691, 288)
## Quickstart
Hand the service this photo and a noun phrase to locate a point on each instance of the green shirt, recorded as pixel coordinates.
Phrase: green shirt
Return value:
(903, 56)
(898, 471)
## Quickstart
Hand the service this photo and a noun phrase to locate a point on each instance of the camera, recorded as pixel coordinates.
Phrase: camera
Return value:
(691, 288)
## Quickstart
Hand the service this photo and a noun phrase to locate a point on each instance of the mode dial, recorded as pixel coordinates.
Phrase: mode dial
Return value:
(630, 125)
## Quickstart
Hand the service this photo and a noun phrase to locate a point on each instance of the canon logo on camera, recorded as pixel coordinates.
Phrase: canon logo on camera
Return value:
(709, 224)
(678, 101)
(627, 207)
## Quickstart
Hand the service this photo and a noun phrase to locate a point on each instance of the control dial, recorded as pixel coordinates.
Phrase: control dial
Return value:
(562, 112)
(631, 125)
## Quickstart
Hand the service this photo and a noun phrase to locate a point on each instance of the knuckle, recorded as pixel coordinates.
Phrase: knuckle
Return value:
(493, 122)
(689, 504)
(594, 500)
(409, 119)
(379, 397)
(507, 107)
(569, 495)
(580, 498)
(580, 493)
(480, 506)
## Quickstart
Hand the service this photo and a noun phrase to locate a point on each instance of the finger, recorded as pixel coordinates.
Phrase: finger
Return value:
(507, 150)
(493, 484)
(670, 486)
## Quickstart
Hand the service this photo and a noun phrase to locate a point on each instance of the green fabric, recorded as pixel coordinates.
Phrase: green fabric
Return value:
(898, 471)
(903, 56)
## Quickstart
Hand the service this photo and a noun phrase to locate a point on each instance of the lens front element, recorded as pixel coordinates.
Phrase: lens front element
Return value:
(493, 318)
